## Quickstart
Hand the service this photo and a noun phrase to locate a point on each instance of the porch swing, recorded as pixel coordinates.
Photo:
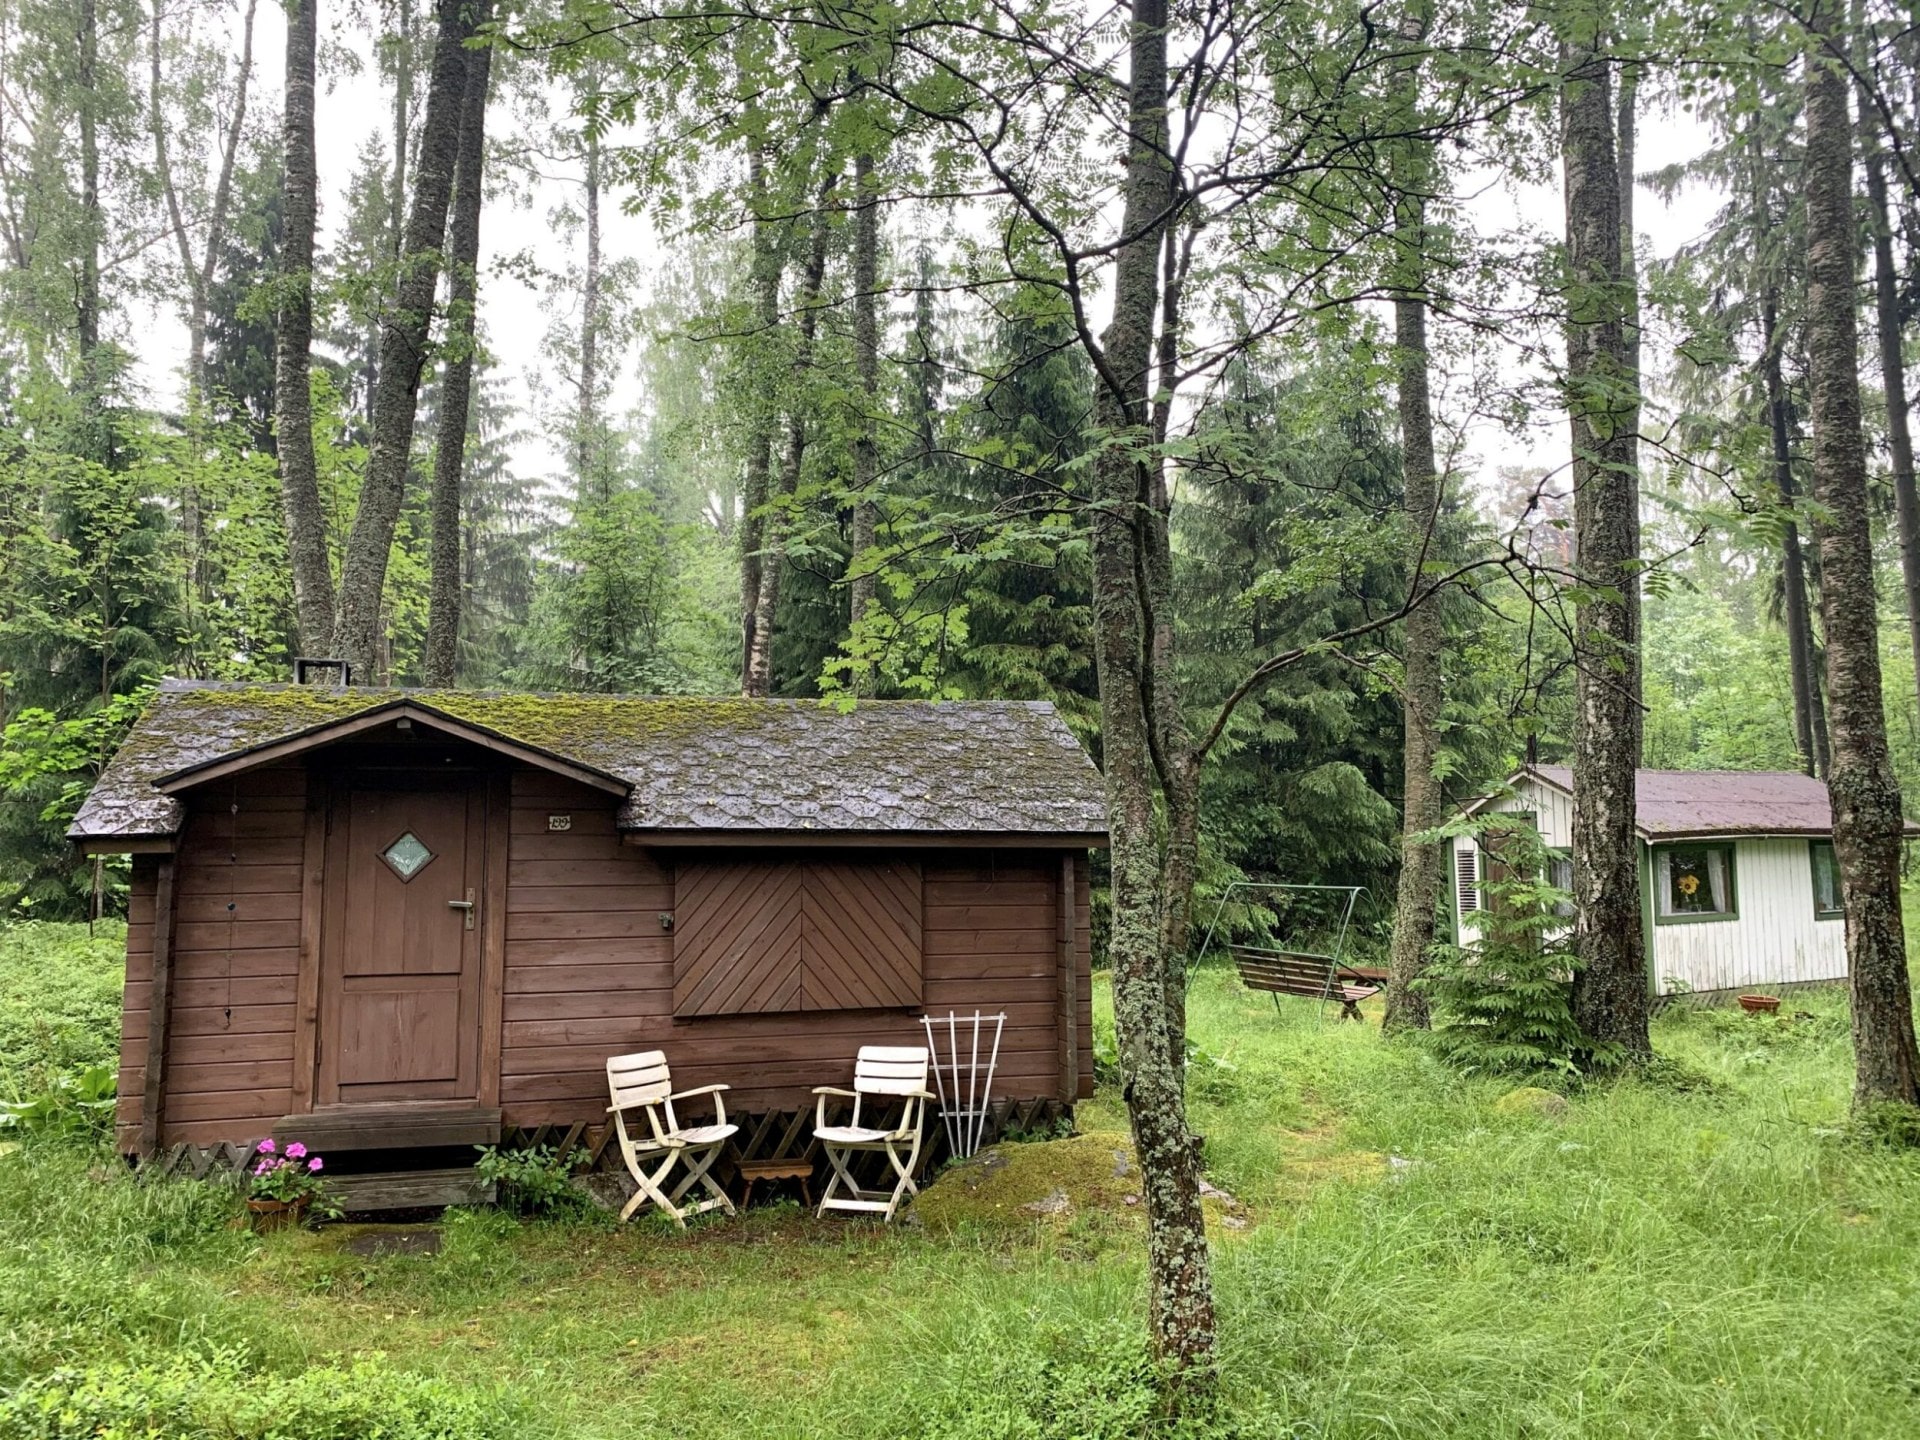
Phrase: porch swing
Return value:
(1311, 961)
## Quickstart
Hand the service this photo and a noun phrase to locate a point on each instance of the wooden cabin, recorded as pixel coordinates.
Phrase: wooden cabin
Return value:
(391, 919)
(1738, 885)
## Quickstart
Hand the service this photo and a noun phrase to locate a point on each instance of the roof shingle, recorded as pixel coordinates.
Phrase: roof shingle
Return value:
(1671, 804)
(694, 764)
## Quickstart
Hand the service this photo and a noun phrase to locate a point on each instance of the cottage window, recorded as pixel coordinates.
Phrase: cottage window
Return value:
(1560, 877)
(1693, 882)
(1826, 881)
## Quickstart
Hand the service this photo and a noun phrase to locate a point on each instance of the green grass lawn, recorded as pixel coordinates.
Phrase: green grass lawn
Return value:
(1404, 1257)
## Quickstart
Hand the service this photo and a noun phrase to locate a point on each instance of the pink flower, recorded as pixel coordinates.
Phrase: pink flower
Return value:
(266, 1146)
(314, 1163)
(263, 1167)
(296, 1150)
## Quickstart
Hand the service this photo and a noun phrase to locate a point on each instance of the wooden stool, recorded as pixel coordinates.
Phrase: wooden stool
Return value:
(752, 1170)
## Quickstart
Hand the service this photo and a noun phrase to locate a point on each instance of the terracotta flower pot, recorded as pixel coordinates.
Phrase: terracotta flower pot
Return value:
(1759, 1004)
(268, 1216)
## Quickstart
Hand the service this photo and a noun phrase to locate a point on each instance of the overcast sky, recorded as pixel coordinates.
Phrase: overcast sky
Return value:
(354, 106)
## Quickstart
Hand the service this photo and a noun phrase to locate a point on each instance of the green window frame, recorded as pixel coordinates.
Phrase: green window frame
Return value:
(1713, 894)
(1826, 879)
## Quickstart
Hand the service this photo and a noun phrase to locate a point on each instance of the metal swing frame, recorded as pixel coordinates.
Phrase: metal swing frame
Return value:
(1335, 960)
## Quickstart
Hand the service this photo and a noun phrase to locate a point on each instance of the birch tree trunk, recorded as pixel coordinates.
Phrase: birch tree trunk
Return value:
(403, 350)
(764, 278)
(1610, 987)
(589, 471)
(306, 518)
(759, 659)
(456, 386)
(1867, 815)
(866, 364)
(1181, 1306)
(198, 274)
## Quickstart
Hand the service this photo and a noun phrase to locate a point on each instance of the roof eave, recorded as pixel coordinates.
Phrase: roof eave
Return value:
(688, 837)
(328, 731)
(150, 844)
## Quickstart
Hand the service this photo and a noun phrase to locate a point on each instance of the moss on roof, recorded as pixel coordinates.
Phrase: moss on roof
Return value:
(694, 763)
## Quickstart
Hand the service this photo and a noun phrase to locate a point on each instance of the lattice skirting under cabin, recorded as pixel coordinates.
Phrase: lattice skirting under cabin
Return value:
(773, 1135)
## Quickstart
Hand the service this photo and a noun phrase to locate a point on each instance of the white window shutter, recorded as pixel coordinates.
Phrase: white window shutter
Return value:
(1466, 876)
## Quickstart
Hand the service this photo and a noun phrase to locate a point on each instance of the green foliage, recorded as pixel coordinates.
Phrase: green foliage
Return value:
(1412, 1261)
(60, 997)
(76, 1106)
(292, 1177)
(1504, 1003)
(218, 1394)
(1888, 1123)
(534, 1181)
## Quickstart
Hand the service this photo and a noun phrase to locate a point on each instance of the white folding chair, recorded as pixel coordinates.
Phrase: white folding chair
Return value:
(881, 1073)
(641, 1082)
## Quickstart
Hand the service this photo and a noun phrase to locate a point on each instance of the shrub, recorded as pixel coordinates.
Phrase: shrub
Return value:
(1505, 1003)
(534, 1181)
(1888, 1123)
(60, 994)
(217, 1396)
(79, 1106)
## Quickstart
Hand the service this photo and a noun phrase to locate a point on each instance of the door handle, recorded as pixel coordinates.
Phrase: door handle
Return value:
(466, 905)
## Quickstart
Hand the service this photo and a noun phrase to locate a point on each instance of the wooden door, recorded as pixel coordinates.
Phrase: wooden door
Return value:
(400, 972)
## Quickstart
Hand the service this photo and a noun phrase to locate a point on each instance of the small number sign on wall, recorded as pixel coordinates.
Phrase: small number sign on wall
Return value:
(559, 822)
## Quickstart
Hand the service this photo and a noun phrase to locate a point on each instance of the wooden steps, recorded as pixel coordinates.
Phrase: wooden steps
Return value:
(390, 1127)
(410, 1190)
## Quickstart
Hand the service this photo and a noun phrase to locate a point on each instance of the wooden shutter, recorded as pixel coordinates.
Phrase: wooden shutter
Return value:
(766, 936)
(737, 938)
(1466, 876)
(863, 936)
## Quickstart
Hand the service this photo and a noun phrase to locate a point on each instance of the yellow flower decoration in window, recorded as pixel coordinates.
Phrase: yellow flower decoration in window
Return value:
(1689, 885)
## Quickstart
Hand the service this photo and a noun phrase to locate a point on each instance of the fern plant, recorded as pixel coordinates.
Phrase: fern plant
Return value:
(1504, 1003)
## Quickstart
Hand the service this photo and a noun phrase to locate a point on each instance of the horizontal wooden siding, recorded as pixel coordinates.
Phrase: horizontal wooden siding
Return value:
(590, 972)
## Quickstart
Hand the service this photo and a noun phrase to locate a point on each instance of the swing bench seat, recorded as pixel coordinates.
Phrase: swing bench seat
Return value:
(1311, 977)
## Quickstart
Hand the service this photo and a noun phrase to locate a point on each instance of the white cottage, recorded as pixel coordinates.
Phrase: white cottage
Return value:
(1737, 875)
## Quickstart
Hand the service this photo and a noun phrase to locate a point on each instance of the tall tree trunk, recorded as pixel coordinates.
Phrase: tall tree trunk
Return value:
(1893, 375)
(1610, 987)
(442, 658)
(589, 471)
(1625, 124)
(397, 181)
(198, 274)
(1800, 666)
(807, 301)
(1867, 816)
(1423, 632)
(1179, 1269)
(306, 518)
(866, 364)
(87, 296)
(403, 349)
(764, 279)
(1176, 758)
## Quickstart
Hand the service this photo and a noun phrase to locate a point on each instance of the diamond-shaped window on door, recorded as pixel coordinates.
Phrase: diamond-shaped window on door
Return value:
(407, 857)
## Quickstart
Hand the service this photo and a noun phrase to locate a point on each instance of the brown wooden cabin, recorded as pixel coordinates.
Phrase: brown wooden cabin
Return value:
(391, 919)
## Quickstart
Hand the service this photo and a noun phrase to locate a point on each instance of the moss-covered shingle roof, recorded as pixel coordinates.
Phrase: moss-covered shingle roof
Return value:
(693, 764)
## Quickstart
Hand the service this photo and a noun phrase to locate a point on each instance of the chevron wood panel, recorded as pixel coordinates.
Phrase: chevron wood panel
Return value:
(738, 939)
(863, 936)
